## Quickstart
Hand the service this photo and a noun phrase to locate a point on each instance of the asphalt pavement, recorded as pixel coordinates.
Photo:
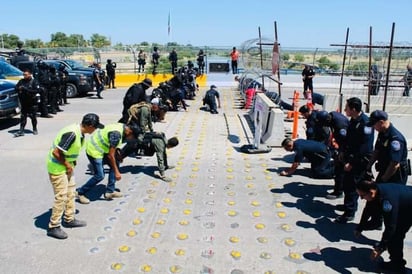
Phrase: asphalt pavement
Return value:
(224, 212)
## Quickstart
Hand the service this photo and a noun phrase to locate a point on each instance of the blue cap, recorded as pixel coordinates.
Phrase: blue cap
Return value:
(376, 116)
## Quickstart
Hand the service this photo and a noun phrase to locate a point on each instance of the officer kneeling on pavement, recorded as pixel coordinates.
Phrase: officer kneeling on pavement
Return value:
(317, 154)
(153, 142)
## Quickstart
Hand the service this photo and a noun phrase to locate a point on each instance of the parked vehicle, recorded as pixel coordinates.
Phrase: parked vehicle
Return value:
(79, 83)
(9, 100)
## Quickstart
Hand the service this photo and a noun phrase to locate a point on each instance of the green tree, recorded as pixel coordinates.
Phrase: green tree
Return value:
(9, 41)
(59, 39)
(36, 43)
(99, 41)
(76, 40)
(285, 56)
(299, 57)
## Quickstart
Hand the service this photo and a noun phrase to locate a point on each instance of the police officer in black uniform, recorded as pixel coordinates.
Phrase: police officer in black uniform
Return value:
(44, 81)
(338, 124)
(54, 91)
(111, 73)
(394, 203)
(391, 151)
(391, 157)
(317, 154)
(173, 60)
(63, 75)
(357, 153)
(315, 130)
(28, 90)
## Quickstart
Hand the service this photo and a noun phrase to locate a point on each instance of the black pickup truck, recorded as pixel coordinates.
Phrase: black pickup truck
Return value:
(79, 83)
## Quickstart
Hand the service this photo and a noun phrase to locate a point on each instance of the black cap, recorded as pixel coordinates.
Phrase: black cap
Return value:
(213, 86)
(91, 119)
(376, 116)
(147, 82)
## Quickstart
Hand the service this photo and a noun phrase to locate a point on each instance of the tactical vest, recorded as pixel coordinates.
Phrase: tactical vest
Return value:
(134, 111)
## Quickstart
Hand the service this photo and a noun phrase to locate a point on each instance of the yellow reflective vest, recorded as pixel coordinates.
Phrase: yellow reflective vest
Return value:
(53, 165)
(99, 144)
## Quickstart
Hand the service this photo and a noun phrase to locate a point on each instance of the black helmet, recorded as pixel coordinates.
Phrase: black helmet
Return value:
(42, 64)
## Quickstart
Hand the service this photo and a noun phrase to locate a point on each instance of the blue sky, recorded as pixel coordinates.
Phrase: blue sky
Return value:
(211, 22)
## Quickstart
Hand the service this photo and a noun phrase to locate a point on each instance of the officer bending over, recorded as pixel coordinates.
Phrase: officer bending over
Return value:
(317, 154)
(153, 142)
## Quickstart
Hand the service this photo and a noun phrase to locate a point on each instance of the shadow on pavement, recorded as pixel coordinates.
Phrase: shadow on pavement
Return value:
(132, 169)
(303, 190)
(358, 258)
(336, 232)
(313, 208)
(42, 221)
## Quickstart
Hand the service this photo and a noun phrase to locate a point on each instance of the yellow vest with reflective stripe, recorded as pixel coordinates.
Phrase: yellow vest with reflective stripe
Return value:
(98, 144)
(53, 165)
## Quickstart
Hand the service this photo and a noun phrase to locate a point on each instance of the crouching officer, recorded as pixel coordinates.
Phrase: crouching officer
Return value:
(153, 142)
(395, 203)
(61, 161)
(391, 155)
(317, 154)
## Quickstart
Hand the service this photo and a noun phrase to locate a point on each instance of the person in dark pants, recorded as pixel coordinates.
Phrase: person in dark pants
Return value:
(28, 90)
(375, 80)
(98, 81)
(111, 73)
(173, 60)
(210, 99)
(307, 77)
(201, 61)
(54, 91)
(395, 203)
(338, 124)
(155, 59)
(407, 80)
(317, 154)
(135, 94)
(357, 153)
(43, 77)
(391, 157)
(141, 60)
(234, 57)
(63, 75)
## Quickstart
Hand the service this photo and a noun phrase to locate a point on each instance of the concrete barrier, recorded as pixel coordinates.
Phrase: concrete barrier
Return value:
(268, 121)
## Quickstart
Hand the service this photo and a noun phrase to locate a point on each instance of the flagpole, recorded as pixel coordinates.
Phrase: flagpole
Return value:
(168, 26)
